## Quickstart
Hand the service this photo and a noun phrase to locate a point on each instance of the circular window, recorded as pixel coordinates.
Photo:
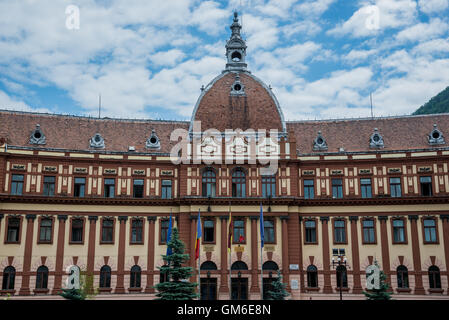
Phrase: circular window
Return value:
(37, 135)
(435, 135)
(376, 138)
(237, 87)
(236, 56)
(153, 140)
(319, 141)
(97, 138)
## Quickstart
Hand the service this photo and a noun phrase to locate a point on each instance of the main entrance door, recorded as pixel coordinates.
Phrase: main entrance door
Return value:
(239, 288)
(208, 288)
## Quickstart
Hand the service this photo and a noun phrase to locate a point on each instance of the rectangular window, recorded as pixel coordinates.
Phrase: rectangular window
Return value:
(239, 231)
(337, 188)
(138, 188)
(13, 230)
(365, 186)
(339, 231)
(45, 230)
(398, 231)
(166, 189)
(109, 188)
(430, 231)
(107, 232)
(310, 226)
(309, 190)
(268, 186)
(77, 230)
(268, 231)
(395, 187)
(208, 231)
(78, 190)
(137, 231)
(164, 231)
(17, 184)
(426, 186)
(49, 186)
(368, 231)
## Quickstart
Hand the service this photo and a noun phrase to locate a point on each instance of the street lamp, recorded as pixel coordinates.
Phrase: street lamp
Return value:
(336, 263)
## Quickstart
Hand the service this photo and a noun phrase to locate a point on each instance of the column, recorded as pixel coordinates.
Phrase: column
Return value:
(326, 255)
(384, 245)
(120, 288)
(59, 254)
(224, 288)
(150, 257)
(301, 262)
(25, 288)
(419, 289)
(91, 244)
(445, 219)
(194, 277)
(285, 262)
(355, 255)
(255, 288)
(294, 241)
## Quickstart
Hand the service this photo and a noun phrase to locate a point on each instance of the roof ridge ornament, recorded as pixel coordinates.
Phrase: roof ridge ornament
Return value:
(236, 47)
(376, 141)
(436, 136)
(37, 136)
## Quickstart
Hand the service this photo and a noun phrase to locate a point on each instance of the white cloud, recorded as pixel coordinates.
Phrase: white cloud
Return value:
(167, 58)
(372, 19)
(13, 103)
(314, 7)
(357, 56)
(423, 31)
(209, 17)
(432, 6)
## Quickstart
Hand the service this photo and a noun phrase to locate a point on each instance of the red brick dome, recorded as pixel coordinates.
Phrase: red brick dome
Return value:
(238, 100)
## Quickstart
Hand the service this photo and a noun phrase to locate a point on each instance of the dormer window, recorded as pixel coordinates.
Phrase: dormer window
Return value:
(237, 87)
(37, 136)
(436, 136)
(319, 143)
(236, 56)
(153, 141)
(376, 140)
(97, 141)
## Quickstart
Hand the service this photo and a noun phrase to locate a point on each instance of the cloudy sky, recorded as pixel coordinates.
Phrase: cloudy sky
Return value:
(149, 58)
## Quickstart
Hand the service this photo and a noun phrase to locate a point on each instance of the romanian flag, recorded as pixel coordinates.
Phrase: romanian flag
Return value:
(262, 234)
(169, 250)
(198, 237)
(230, 227)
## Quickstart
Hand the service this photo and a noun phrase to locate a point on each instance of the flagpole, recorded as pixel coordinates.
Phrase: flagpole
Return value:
(262, 240)
(230, 254)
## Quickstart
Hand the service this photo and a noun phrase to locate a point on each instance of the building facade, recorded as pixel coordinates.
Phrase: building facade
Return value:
(98, 193)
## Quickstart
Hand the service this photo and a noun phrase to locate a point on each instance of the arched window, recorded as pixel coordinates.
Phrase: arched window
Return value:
(135, 277)
(312, 276)
(434, 277)
(209, 183)
(9, 275)
(208, 265)
(42, 277)
(239, 265)
(402, 275)
(105, 277)
(342, 277)
(270, 265)
(238, 183)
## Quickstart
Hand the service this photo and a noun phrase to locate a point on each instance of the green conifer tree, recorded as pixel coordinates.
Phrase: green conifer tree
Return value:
(383, 292)
(278, 292)
(177, 287)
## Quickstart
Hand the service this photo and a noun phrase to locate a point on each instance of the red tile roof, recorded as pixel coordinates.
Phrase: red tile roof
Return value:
(74, 133)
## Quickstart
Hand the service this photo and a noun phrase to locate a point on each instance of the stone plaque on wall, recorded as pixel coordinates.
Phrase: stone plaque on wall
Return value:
(208, 248)
(269, 248)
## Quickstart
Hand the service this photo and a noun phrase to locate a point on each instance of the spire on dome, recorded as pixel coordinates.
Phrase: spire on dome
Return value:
(236, 48)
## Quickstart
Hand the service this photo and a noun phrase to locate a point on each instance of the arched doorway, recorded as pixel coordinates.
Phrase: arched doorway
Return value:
(272, 268)
(208, 285)
(239, 285)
